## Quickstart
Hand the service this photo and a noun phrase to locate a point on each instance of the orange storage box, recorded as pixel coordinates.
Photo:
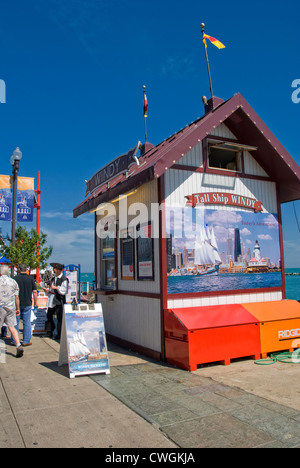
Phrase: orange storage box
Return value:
(200, 335)
(279, 324)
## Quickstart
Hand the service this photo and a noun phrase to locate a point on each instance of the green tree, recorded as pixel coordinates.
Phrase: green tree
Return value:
(30, 248)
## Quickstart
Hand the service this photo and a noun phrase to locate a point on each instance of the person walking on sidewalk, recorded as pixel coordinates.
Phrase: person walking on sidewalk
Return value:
(27, 288)
(10, 306)
(56, 299)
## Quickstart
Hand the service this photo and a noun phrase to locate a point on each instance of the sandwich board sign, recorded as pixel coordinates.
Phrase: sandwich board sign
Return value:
(83, 343)
(39, 316)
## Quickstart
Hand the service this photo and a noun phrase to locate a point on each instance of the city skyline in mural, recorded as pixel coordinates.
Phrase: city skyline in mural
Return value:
(206, 243)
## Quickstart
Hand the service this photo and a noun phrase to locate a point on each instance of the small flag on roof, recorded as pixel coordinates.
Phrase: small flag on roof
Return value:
(145, 105)
(213, 40)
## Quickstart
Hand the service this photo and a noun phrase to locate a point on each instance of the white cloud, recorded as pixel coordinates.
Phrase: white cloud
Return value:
(271, 221)
(264, 237)
(72, 246)
(224, 217)
(245, 232)
(57, 214)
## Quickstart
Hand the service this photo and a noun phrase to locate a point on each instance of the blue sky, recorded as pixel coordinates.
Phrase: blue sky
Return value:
(74, 72)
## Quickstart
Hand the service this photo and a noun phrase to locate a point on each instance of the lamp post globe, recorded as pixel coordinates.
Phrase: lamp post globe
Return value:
(16, 156)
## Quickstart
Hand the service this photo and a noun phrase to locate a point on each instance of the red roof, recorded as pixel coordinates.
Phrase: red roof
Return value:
(244, 123)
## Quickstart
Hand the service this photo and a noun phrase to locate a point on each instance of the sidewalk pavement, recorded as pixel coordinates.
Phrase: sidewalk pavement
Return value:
(145, 404)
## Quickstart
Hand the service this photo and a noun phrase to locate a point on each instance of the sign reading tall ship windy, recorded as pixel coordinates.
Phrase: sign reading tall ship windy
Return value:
(221, 198)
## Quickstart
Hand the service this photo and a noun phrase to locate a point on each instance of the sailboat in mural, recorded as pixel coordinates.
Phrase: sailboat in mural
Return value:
(207, 259)
(78, 347)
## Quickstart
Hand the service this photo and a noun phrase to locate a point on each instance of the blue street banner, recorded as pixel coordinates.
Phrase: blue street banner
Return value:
(25, 200)
(5, 198)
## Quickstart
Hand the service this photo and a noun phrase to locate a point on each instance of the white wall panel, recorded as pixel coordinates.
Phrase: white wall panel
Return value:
(252, 167)
(178, 184)
(223, 131)
(194, 157)
(146, 194)
(134, 319)
(221, 300)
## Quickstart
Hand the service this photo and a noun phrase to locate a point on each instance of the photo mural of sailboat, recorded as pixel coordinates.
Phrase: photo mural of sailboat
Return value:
(207, 258)
(78, 347)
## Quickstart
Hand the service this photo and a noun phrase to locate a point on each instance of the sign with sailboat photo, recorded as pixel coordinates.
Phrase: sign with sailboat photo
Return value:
(83, 342)
(218, 250)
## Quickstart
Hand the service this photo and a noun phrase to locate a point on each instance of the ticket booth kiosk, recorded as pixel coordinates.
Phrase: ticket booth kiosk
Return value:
(189, 231)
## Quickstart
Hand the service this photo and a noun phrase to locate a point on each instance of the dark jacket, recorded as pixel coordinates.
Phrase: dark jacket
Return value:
(59, 299)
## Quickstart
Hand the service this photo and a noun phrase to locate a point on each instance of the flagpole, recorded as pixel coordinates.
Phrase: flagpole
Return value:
(145, 114)
(207, 62)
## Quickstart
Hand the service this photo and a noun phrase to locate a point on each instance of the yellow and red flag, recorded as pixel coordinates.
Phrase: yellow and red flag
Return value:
(213, 40)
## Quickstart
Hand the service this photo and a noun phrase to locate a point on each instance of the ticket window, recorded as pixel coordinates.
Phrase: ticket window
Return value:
(108, 263)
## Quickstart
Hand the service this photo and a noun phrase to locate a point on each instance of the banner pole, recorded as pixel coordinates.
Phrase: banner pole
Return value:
(38, 221)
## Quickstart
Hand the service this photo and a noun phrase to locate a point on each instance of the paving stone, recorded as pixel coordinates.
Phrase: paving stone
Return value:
(195, 411)
(219, 401)
(216, 431)
(173, 416)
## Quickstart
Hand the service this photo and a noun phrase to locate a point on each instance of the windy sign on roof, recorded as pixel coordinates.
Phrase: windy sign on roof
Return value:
(118, 166)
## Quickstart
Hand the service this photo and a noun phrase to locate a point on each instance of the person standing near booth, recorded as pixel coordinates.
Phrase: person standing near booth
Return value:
(56, 299)
(28, 289)
(10, 306)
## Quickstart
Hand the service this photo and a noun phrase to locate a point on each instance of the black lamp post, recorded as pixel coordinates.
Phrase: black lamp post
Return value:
(15, 162)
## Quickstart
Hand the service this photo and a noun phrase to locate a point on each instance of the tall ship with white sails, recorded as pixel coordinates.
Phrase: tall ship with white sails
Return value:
(207, 259)
(78, 347)
(206, 255)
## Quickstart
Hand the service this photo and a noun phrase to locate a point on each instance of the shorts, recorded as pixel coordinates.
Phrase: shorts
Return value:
(7, 317)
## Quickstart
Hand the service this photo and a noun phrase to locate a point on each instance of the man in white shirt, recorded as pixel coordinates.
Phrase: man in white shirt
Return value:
(56, 299)
(10, 306)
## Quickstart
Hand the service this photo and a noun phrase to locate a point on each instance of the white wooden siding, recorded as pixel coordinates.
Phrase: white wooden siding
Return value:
(146, 194)
(182, 183)
(134, 319)
(223, 131)
(224, 300)
(193, 157)
(252, 167)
